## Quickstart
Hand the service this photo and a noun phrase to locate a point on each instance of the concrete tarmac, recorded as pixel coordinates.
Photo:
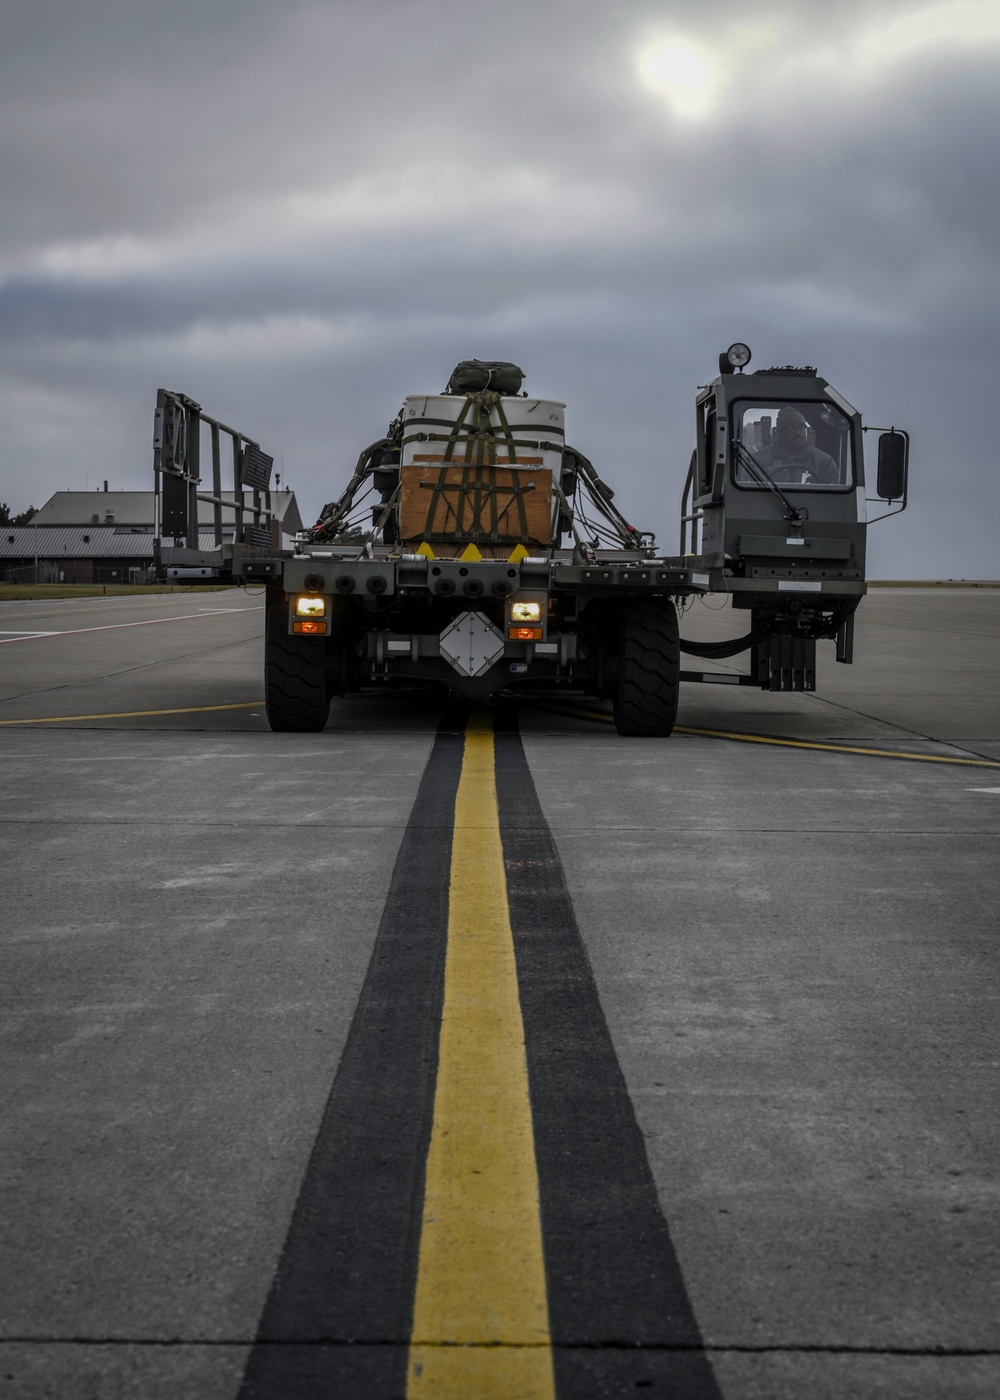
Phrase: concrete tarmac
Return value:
(795, 951)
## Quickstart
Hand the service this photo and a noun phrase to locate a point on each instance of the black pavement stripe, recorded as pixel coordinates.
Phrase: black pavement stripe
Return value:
(347, 1271)
(454, 715)
(614, 1282)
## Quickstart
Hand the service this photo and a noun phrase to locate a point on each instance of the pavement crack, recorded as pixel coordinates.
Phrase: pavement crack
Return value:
(611, 1345)
(128, 670)
(235, 823)
(96, 820)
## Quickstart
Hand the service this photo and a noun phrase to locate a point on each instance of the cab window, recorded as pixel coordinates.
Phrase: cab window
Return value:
(805, 446)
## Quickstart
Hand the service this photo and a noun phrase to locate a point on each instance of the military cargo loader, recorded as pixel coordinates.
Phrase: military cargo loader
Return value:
(475, 550)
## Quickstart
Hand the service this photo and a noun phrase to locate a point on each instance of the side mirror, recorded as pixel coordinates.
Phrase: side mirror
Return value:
(893, 457)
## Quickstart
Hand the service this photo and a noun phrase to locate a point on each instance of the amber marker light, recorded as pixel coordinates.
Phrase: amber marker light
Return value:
(310, 629)
(525, 612)
(306, 606)
(525, 634)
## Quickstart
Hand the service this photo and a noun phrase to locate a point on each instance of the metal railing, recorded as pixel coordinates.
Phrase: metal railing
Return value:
(691, 515)
(177, 469)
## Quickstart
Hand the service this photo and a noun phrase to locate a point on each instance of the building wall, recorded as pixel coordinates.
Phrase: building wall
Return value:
(76, 571)
(67, 570)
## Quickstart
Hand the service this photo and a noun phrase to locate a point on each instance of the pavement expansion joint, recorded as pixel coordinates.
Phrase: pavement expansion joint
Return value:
(844, 1349)
(312, 1341)
(630, 1347)
(193, 822)
(762, 830)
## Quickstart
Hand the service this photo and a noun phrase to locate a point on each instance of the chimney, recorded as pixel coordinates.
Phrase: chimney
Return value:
(95, 519)
(105, 486)
(109, 517)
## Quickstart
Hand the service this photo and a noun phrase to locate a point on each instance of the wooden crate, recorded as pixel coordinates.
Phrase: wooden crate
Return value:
(481, 505)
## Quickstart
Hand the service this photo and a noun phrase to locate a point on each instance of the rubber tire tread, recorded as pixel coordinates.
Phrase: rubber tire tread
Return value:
(649, 680)
(295, 690)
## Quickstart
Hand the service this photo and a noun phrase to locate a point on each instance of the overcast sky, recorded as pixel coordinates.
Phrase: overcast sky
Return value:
(299, 213)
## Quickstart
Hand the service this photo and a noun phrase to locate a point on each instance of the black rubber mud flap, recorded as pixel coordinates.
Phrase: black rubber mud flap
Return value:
(295, 687)
(645, 703)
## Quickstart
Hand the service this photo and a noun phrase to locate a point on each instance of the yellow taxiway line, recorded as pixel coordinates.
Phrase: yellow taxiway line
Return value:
(139, 714)
(480, 1323)
(837, 748)
(605, 718)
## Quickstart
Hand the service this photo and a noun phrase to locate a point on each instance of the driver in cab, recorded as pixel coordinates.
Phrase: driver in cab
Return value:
(790, 459)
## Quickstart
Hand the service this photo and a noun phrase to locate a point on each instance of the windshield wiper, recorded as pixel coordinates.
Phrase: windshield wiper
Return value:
(762, 477)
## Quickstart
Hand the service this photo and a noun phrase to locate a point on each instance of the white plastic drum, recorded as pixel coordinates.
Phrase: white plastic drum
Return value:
(536, 429)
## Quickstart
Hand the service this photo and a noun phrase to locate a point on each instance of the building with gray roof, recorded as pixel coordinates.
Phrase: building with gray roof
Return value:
(136, 510)
(71, 554)
(108, 536)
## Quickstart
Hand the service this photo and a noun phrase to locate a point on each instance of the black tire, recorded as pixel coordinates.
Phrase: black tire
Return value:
(645, 701)
(296, 693)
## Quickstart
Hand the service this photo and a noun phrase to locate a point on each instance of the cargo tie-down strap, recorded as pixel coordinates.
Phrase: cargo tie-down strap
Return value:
(472, 442)
(481, 441)
(475, 431)
(477, 491)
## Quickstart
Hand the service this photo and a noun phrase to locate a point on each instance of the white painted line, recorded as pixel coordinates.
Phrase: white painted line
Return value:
(116, 626)
(98, 759)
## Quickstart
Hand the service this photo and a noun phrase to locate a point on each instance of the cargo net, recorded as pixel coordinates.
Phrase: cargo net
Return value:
(482, 488)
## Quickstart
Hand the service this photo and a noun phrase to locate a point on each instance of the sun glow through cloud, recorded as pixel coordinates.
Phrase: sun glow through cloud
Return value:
(696, 78)
(683, 72)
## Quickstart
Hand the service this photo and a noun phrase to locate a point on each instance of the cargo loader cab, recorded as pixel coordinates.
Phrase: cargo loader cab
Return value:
(776, 489)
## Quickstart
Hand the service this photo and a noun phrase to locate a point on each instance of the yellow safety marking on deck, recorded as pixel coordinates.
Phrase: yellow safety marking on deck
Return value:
(517, 554)
(471, 553)
(139, 714)
(480, 1322)
(787, 743)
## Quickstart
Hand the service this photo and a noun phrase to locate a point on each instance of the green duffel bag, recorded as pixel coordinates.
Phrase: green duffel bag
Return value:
(473, 376)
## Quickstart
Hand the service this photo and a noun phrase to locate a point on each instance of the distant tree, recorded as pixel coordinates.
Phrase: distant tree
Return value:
(7, 519)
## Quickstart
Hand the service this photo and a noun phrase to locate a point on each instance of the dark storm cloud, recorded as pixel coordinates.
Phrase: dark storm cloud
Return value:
(300, 213)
